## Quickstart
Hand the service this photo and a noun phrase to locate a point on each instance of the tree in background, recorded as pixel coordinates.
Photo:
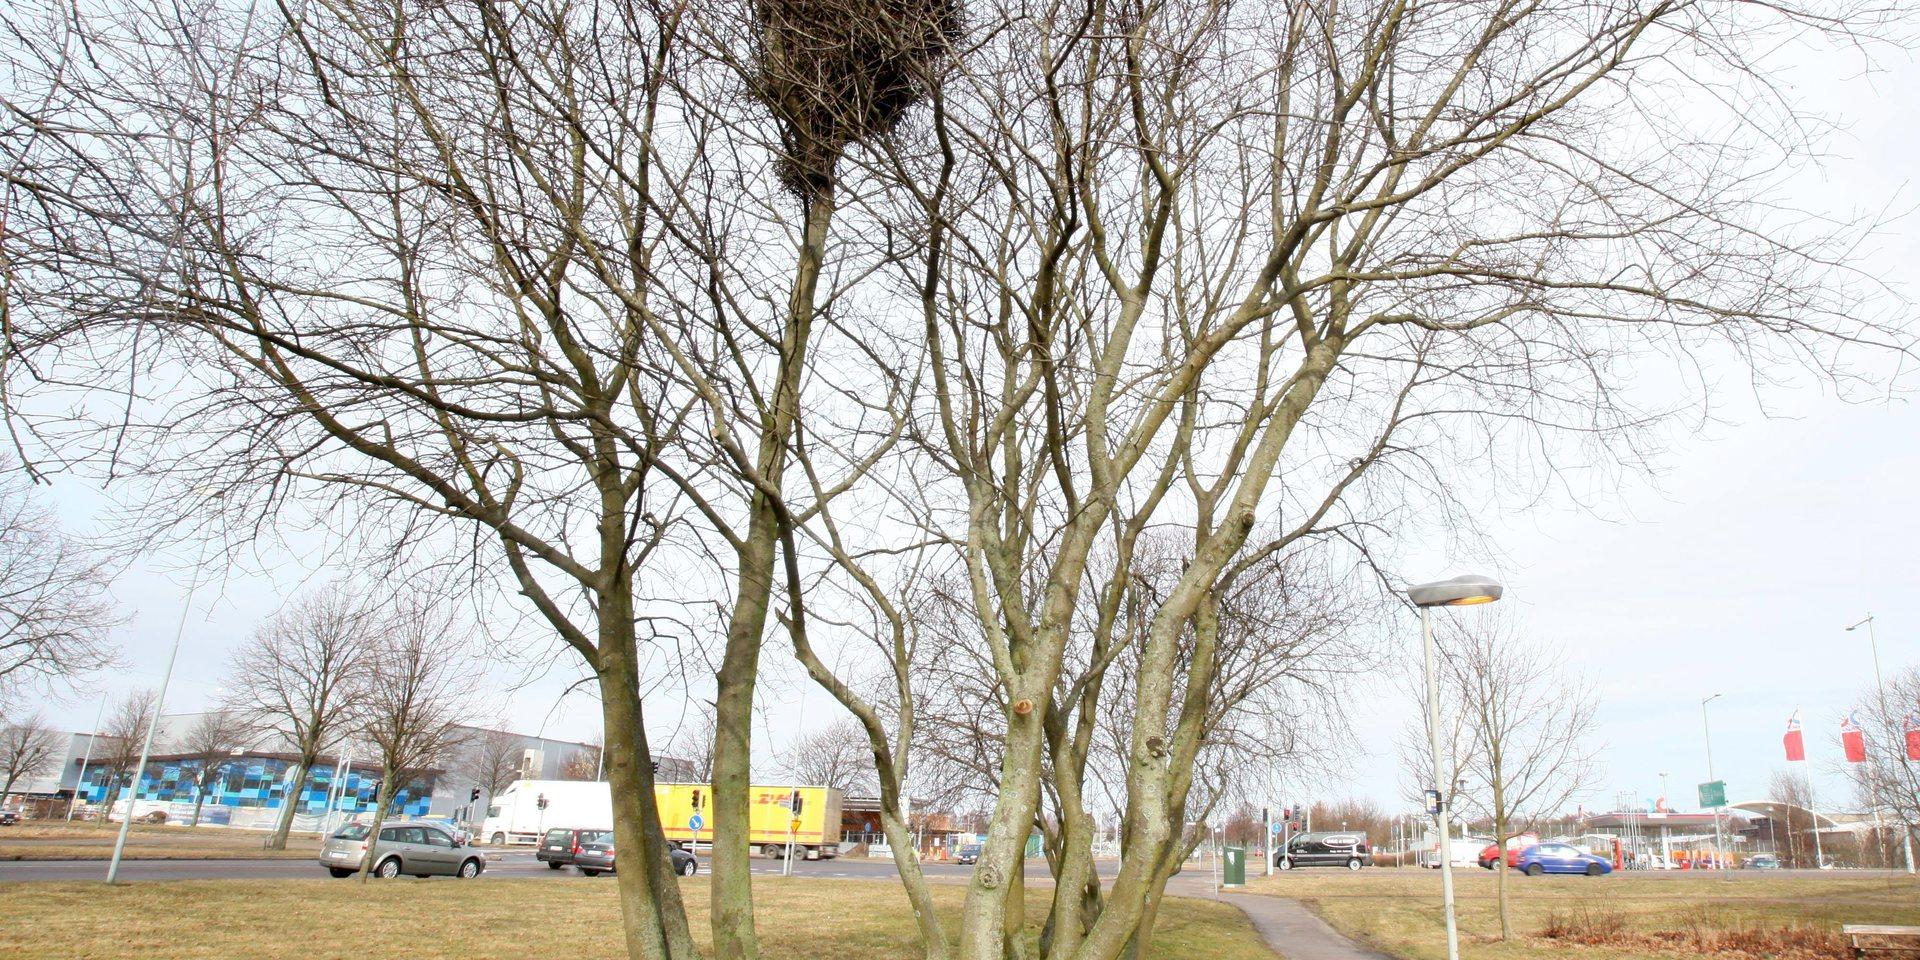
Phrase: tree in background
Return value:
(116, 747)
(1887, 782)
(836, 755)
(299, 679)
(410, 709)
(28, 749)
(693, 742)
(211, 744)
(492, 760)
(583, 763)
(1528, 728)
(55, 612)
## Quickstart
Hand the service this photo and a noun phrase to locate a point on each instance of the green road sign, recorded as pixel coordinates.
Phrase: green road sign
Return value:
(1713, 794)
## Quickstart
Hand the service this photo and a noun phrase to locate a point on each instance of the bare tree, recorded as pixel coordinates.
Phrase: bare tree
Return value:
(211, 744)
(55, 611)
(1529, 728)
(836, 755)
(694, 741)
(1888, 781)
(28, 748)
(582, 763)
(492, 760)
(116, 747)
(299, 677)
(412, 708)
(1793, 835)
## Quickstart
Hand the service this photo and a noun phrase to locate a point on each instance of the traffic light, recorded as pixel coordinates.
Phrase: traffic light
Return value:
(541, 801)
(696, 802)
(794, 804)
(474, 797)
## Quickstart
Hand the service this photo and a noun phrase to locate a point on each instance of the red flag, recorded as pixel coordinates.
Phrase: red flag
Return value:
(1796, 744)
(1852, 741)
(1913, 736)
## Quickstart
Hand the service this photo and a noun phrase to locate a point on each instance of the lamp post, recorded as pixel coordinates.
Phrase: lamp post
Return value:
(1719, 848)
(159, 703)
(1880, 692)
(1463, 591)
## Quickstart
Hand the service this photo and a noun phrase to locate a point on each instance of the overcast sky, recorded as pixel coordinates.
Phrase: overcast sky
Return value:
(1734, 572)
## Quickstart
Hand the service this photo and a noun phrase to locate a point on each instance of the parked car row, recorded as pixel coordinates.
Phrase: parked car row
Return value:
(423, 848)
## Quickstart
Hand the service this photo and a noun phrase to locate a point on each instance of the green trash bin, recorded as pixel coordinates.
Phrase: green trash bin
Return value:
(1233, 867)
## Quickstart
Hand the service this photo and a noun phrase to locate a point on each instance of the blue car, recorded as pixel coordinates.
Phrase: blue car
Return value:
(1560, 858)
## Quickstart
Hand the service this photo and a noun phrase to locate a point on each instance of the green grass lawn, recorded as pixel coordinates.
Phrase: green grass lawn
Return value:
(60, 840)
(1616, 916)
(509, 919)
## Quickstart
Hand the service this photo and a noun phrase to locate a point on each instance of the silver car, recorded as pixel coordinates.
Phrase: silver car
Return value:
(405, 846)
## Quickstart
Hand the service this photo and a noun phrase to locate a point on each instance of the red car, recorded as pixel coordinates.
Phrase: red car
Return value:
(1514, 846)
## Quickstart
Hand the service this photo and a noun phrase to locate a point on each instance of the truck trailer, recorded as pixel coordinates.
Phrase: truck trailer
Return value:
(771, 817)
(516, 816)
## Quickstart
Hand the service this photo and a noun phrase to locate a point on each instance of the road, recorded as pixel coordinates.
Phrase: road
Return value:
(512, 863)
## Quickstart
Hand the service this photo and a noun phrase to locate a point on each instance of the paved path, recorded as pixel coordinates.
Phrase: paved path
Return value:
(1294, 932)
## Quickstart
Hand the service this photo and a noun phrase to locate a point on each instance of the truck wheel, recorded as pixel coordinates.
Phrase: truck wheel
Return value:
(774, 851)
(499, 839)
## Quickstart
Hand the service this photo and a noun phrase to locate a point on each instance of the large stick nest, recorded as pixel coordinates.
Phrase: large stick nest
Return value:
(836, 72)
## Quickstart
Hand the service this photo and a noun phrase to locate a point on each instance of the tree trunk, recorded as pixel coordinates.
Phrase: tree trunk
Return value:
(655, 919)
(1500, 830)
(732, 885)
(383, 801)
(199, 797)
(983, 921)
(278, 841)
(906, 859)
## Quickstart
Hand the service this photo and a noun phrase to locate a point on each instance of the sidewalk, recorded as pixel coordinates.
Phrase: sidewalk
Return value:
(1289, 929)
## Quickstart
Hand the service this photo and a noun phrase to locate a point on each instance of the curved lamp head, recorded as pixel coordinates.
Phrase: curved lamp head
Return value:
(1457, 592)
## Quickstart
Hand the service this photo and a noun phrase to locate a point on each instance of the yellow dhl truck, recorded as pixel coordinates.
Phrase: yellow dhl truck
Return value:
(817, 837)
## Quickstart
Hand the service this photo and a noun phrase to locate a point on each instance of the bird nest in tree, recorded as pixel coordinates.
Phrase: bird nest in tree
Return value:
(836, 72)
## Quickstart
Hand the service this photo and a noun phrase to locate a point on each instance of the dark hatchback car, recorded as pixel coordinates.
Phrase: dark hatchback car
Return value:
(1332, 849)
(561, 845)
(596, 856)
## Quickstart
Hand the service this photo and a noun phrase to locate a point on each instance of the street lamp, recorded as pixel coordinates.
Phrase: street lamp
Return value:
(159, 703)
(1719, 847)
(1880, 693)
(1463, 591)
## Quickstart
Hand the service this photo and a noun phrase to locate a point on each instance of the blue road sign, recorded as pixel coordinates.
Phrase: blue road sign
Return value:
(694, 822)
(1274, 827)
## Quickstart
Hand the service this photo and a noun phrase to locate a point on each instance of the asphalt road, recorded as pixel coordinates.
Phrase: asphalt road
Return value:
(513, 863)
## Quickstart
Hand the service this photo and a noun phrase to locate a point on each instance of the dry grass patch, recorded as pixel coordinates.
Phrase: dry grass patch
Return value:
(1781, 916)
(510, 919)
(59, 840)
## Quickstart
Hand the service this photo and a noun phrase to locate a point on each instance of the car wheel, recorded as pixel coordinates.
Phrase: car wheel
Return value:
(554, 864)
(341, 872)
(774, 851)
(499, 839)
(692, 867)
(1286, 863)
(1534, 870)
(589, 873)
(1353, 864)
(469, 869)
(1593, 869)
(388, 868)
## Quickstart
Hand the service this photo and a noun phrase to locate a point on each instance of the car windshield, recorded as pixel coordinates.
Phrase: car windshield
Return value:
(352, 831)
